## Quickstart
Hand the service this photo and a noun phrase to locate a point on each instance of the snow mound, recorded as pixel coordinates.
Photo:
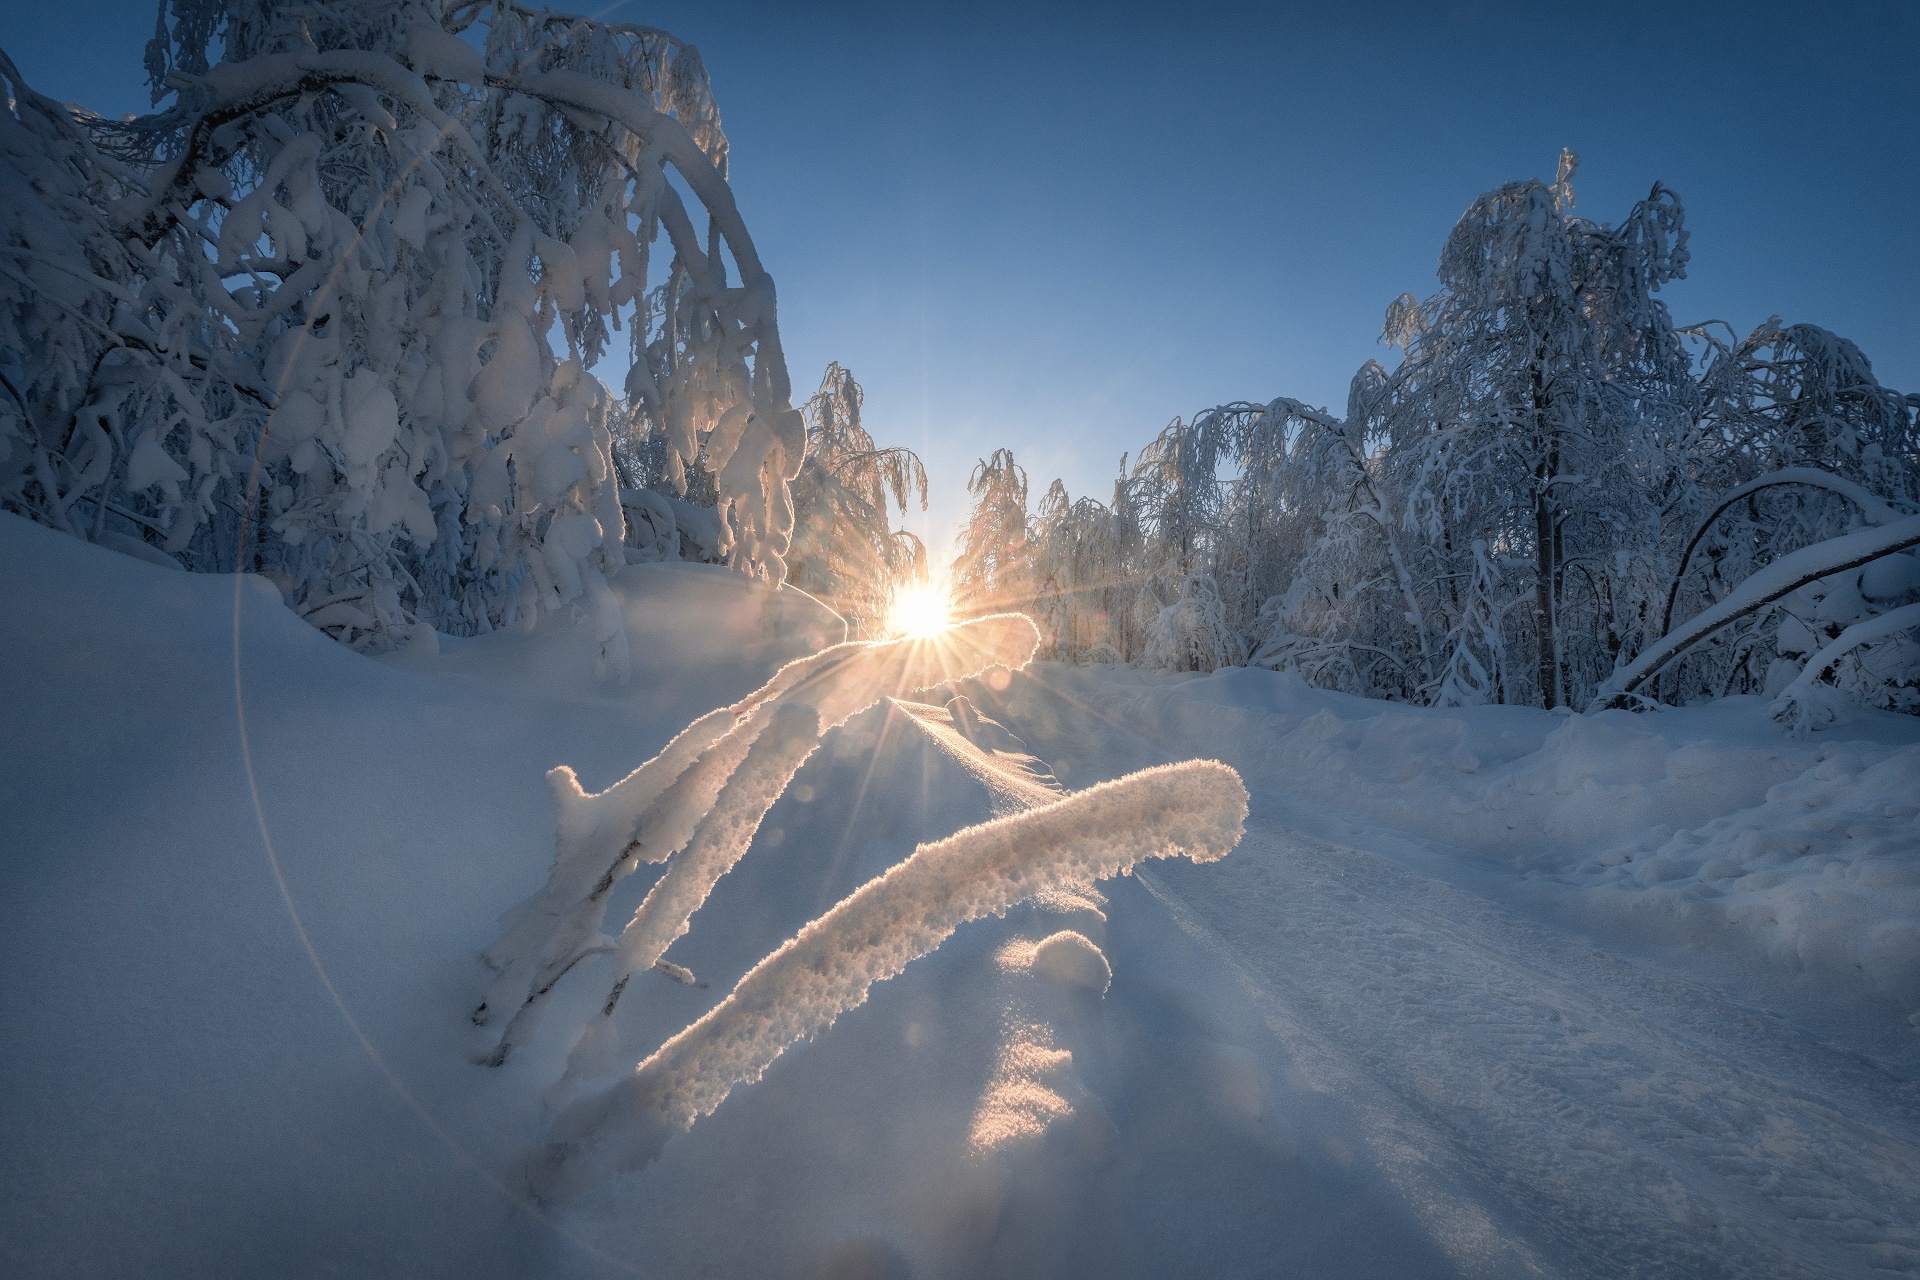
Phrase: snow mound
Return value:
(1825, 874)
(1066, 957)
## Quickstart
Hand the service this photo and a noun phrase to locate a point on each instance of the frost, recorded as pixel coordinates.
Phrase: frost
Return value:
(699, 803)
(1197, 808)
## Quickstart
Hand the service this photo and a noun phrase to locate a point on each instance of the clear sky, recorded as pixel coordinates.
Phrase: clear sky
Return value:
(1054, 228)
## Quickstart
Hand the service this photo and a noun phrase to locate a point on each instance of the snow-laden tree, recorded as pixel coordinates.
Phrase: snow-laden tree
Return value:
(993, 568)
(1090, 598)
(1543, 489)
(1542, 394)
(845, 550)
(1192, 634)
(104, 360)
(332, 305)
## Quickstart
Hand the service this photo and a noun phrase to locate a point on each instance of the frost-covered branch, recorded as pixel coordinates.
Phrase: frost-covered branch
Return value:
(1777, 580)
(1196, 808)
(698, 804)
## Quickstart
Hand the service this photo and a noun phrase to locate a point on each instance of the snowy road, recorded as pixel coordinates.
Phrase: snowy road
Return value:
(1540, 1103)
(1543, 1105)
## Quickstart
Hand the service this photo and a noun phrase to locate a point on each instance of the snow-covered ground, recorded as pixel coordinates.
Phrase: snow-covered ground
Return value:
(1491, 992)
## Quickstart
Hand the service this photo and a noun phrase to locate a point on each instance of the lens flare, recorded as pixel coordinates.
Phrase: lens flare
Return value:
(918, 611)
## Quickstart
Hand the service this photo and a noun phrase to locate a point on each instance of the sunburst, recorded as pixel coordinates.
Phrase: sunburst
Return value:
(920, 610)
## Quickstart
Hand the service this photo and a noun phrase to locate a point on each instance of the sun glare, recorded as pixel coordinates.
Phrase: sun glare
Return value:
(918, 611)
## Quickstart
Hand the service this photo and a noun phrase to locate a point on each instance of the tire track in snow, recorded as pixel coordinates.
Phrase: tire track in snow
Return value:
(1620, 1121)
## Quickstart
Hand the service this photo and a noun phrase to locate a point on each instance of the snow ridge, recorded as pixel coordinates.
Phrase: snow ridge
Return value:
(1197, 807)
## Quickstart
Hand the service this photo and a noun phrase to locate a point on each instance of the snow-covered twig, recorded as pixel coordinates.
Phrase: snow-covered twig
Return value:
(706, 794)
(1196, 808)
(1798, 707)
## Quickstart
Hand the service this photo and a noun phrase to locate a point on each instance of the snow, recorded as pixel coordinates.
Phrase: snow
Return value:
(1485, 990)
(1564, 803)
(1821, 874)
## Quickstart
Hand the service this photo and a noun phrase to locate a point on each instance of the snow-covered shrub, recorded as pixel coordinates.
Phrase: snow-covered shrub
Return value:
(314, 299)
(1838, 582)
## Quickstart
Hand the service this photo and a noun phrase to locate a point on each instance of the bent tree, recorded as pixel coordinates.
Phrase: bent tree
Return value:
(327, 313)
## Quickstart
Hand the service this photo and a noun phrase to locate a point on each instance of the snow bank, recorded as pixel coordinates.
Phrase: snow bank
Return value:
(1802, 848)
(1824, 874)
(187, 1064)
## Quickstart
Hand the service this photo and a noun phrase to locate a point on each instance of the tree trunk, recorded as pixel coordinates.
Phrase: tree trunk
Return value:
(1546, 543)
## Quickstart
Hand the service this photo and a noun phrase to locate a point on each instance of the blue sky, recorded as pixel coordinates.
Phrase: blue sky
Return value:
(1054, 228)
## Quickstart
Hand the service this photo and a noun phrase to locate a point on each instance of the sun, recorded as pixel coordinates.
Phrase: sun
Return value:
(918, 611)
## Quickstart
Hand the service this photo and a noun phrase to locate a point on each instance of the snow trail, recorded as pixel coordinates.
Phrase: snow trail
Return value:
(1605, 1118)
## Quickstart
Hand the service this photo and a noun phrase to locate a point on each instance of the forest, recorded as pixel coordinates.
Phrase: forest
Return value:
(330, 314)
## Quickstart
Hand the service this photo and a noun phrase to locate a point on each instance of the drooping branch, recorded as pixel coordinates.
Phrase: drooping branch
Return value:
(1874, 510)
(1196, 808)
(1778, 580)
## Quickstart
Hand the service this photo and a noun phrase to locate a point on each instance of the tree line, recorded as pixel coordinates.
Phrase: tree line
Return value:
(1547, 477)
